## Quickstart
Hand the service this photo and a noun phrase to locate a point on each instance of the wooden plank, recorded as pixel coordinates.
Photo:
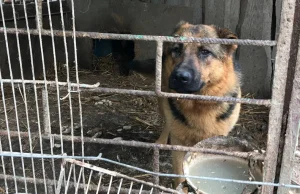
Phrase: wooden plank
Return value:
(197, 16)
(223, 13)
(232, 11)
(195, 4)
(256, 61)
(214, 12)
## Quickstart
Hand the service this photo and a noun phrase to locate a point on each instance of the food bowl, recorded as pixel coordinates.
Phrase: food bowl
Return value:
(221, 166)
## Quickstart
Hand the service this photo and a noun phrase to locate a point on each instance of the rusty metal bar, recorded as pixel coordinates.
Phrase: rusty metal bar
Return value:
(57, 137)
(39, 28)
(96, 88)
(96, 35)
(119, 91)
(292, 133)
(175, 95)
(216, 98)
(278, 92)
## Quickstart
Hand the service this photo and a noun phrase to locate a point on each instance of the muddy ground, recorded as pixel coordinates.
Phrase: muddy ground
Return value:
(104, 115)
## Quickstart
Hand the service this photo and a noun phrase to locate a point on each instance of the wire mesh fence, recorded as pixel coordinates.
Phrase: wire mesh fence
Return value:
(38, 157)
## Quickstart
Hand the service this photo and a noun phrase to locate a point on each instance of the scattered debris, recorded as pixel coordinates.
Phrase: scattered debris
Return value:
(127, 127)
(96, 98)
(93, 131)
(97, 134)
(104, 102)
(68, 129)
(56, 145)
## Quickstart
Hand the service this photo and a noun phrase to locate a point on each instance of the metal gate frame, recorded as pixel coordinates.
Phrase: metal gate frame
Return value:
(276, 102)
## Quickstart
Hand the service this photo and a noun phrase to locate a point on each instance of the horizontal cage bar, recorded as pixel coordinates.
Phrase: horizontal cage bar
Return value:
(96, 88)
(96, 35)
(254, 155)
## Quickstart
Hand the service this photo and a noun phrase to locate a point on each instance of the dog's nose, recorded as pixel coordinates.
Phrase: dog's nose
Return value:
(183, 76)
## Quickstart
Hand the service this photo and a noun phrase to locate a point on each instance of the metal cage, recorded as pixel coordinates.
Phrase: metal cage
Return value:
(64, 166)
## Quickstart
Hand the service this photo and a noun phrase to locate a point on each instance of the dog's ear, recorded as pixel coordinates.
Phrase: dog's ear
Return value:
(179, 24)
(178, 27)
(227, 34)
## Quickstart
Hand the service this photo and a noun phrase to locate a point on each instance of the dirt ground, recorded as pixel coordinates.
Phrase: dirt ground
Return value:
(104, 115)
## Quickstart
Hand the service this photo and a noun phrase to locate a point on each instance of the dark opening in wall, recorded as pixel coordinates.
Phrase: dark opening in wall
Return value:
(121, 50)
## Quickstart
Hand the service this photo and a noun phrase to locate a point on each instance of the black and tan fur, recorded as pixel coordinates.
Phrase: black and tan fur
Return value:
(211, 71)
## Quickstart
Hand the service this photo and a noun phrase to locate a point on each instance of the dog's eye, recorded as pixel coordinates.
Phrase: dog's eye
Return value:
(203, 53)
(176, 52)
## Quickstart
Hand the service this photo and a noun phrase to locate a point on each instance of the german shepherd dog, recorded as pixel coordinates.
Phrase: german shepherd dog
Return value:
(195, 68)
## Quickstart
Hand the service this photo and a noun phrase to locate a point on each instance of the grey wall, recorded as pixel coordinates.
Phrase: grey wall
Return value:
(125, 16)
(35, 43)
(250, 19)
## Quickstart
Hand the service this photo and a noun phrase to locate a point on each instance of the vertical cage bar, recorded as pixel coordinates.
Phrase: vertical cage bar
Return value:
(89, 181)
(39, 23)
(292, 133)
(60, 179)
(130, 188)
(77, 185)
(99, 184)
(46, 113)
(280, 75)
(8, 129)
(158, 68)
(156, 165)
(14, 100)
(34, 84)
(67, 62)
(110, 183)
(55, 68)
(120, 186)
(69, 177)
(151, 191)
(3, 167)
(141, 189)
(39, 14)
(24, 94)
(69, 86)
(55, 64)
(77, 81)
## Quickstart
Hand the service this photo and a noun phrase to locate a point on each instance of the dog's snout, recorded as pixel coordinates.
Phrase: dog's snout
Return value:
(183, 76)
(185, 80)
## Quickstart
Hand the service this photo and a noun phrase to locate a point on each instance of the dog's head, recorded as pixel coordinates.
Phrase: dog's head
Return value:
(194, 67)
